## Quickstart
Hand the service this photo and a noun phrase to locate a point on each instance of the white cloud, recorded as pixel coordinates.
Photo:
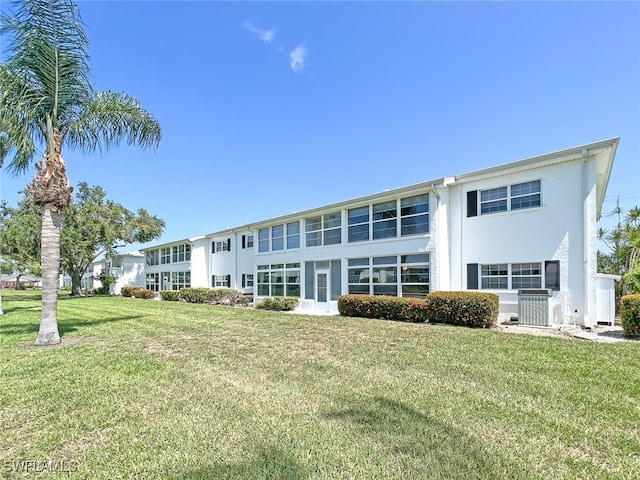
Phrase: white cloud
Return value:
(264, 35)
(298, 57)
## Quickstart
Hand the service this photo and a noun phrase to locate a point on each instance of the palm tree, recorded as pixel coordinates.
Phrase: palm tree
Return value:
(47, 102)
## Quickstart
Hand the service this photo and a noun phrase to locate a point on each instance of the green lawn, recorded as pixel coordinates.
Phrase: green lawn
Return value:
(159, 390)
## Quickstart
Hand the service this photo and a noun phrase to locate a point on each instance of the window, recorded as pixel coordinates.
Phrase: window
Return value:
(526, 275)
(151, 258)
(182, 253)
(313, 231)
(293, 235)
(505, 276)
(277, 237)
(153, 281)
(379, 275)
(279, 279)
(525, 195)
(165, 255)
(180, 280)
(247, 280)
(514, 197)
(384, 220)
(324, 229)
(414, 215)
(414, 275)
(249, 241)
(495, 276)
(493, 200)
(221, 281)
(223, 246)
(263, 240)
(358, 222)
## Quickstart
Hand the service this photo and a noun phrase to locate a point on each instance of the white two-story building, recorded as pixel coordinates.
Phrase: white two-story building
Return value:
(530, 224)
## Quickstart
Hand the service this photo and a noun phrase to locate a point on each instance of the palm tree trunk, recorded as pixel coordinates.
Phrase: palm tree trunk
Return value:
(51, 222)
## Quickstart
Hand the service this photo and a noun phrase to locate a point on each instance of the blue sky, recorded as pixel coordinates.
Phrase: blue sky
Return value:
(269, 108)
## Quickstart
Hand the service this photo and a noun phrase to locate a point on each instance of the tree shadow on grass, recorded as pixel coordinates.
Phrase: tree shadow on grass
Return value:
(263, 463)
(428, 446)
(64, 326)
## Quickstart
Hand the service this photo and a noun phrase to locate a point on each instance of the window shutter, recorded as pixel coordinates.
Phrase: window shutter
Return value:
(229, 281)
(213, 247)
(472, 203)
(228, 244)
(213, 280)
(552, 274)
(244, 241)
(244, 280)
(472, 276)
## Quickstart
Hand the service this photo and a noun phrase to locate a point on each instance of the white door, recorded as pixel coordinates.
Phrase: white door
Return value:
(322, 291)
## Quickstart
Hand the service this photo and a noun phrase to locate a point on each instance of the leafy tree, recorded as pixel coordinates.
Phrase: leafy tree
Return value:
(92, 226)
(623, 243)
(47, 102)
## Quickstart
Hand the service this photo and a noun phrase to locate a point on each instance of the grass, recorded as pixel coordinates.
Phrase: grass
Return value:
(162, 390)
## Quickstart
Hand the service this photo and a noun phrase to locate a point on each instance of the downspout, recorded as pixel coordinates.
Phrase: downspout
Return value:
(435, 243)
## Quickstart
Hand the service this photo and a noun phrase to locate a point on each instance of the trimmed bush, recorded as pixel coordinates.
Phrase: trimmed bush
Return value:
(170, 295)
(127, 291)
(630, 315)
(196, 295)
(469, 309)
(245, 300)
(376, 306)
(143, 293)
(280, 304)
(225, 296)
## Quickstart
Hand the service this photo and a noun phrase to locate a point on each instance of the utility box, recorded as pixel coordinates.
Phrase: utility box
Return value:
(534, 307)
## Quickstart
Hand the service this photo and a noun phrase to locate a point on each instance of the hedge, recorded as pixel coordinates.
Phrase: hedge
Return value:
(127, 291)
(143, 293)
(170, 295)
(630, 315)
(281, 304)
(220, 295)
(471, 309)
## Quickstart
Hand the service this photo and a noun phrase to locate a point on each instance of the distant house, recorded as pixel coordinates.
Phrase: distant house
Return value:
(26, 281)
(525, 225)
(127, 268)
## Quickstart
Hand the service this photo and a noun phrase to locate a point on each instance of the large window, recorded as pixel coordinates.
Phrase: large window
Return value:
(277, 237)
(514, 197)
(414, 215)
(279, 279)
(151, 258)
(409, 216)
(180, 280)
(153, 281)
(505, 276)
(221, 281)
(384, 220)
(263, 240)
(182, 253)
(404, 275)
(293, 235)
(165, 255)
(324, 229)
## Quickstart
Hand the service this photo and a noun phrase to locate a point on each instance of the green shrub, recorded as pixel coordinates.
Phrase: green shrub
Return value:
(281, 304)
(630, 315)
(469, 309)
(245, 300)
(225, 296)
(197, 295)
(170, 295)
(127, 291)
(143, 293)
(376, 306)
(631, 281)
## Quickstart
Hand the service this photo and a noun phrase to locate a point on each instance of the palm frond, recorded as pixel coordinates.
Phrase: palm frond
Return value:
(110, 119)
(49, 47)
